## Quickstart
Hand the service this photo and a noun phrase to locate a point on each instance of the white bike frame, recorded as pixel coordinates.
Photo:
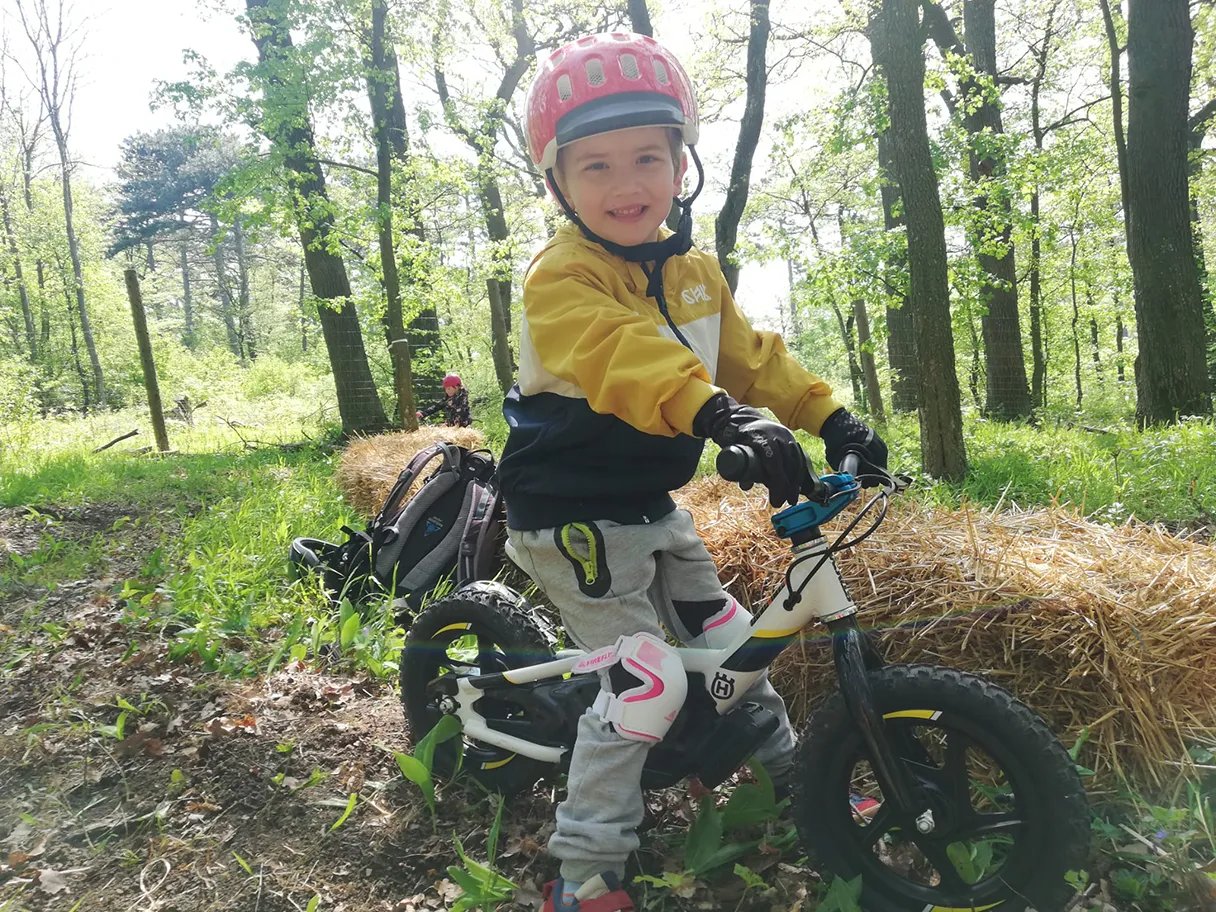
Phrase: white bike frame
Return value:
(818, 594)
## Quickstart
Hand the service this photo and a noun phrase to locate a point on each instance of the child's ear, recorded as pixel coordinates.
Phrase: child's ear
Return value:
(681, 168)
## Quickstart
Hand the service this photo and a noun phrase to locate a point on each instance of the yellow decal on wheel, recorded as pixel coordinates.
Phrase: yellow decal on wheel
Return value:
(452, 627)
(933, 908)
(931, 714)
(497, 763)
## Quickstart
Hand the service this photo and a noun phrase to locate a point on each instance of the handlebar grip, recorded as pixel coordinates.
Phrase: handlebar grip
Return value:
(851, 464)
(738, 464)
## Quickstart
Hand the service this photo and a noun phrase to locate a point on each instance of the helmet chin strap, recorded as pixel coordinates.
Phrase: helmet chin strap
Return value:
(657, 252)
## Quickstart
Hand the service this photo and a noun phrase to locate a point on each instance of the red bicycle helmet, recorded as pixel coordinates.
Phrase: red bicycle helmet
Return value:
(602, 83)
(451, 380)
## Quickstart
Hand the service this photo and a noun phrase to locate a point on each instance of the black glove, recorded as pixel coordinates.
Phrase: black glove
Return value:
(843, 433)
(782, 461)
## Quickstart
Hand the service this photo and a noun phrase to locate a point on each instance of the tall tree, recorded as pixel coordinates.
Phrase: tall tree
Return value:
(287, 123)
(1171, 368)
(385, 96)
(726, 225)
(1008, 395)
(901, 332)
(481, 137)
(56, 47)
(899, 51)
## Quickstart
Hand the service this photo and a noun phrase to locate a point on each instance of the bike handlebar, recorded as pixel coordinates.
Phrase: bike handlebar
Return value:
(741, 465)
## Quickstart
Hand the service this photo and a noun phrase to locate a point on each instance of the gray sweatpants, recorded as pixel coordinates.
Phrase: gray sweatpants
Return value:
(610, 580)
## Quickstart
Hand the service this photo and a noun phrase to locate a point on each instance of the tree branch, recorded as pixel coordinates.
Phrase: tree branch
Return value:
(1198, 123)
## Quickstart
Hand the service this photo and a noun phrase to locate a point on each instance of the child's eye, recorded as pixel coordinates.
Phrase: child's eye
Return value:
(597, 166)
(647, 159)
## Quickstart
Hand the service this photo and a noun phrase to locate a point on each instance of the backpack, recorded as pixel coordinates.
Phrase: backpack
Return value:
(451, 524)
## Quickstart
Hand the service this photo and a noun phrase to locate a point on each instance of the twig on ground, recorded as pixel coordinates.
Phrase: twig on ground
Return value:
(125, 436)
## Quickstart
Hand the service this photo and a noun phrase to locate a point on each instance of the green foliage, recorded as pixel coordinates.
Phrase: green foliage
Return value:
(418, 766)
(484, 887)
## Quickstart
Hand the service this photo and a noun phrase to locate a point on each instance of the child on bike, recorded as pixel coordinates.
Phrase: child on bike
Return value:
(632, 353)
(455, 404)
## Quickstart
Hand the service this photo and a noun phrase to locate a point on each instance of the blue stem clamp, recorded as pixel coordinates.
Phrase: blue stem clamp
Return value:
(842, 488)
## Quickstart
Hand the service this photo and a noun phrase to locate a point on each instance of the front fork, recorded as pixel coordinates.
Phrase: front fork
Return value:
(854, 655)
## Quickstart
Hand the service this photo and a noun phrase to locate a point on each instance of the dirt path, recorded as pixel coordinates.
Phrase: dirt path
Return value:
(129, 782)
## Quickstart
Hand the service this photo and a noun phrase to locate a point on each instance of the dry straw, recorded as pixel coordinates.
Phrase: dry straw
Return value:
(1098, 626)
(370, 465)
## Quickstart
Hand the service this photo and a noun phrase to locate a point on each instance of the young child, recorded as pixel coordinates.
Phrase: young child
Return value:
(455, 404)
(631, 350)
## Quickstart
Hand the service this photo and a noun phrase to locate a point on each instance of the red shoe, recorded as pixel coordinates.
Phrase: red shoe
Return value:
(602, 893)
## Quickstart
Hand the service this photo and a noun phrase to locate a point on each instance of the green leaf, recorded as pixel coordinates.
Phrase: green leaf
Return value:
(704, 837)
(350, 806)
(413, 769)
(749, 805)
(120, 727)
(751, 879)
(123, 704)
(313, 903)
(842, 896)
(466, 881)
(243, 863)
(445, 729)
(350, 627)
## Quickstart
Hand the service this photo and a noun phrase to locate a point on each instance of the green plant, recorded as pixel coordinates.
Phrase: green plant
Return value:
(483, 886)
(417, 767)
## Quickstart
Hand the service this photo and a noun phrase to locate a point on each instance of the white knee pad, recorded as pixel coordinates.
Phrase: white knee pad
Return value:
(723, 628)
(643, 712)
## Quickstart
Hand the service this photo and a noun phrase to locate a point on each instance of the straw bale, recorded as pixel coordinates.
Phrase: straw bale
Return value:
(1109, 627)
(1098, 626)
(369, 465)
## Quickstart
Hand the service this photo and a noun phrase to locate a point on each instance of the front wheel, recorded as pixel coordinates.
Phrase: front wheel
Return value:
(1008, 818)
(483, 628)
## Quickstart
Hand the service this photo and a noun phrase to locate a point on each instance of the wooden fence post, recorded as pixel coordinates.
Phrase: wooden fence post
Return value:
(145, 356)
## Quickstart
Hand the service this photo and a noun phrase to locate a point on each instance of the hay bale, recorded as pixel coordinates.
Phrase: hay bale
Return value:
(1105, 627)
(368, 466)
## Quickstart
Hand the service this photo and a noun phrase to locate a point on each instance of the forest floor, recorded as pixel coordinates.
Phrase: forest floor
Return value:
(159, 753)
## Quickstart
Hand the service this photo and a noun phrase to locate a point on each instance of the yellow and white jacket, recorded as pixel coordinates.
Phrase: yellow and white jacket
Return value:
(601, 418)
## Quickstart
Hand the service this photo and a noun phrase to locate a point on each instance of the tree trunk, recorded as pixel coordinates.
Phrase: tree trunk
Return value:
(1195, 167)
(726, 225)
(795, 319)
(639, 18)
(303, 312)
(80, 371)
(423, 329)
(1171, 368)
(1076, 313)
(1116, 102)
(1008, 395)
(498, 288)
(1038, 378)
(86, 325)
(189, 338)
(1096, 348)
(1119, 331)
(899, 52)
(869, 369)
(846, 334)
(227, 307)
(288, 126)
(244, 308)
(382, 95)
(140, 319)
(27, 313)
(901, 338)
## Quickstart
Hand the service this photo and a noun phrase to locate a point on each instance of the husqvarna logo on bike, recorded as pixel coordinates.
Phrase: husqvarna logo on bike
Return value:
(722, 686)
(694, 294)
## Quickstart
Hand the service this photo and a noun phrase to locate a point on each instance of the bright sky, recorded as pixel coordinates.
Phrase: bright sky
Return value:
(133, 43)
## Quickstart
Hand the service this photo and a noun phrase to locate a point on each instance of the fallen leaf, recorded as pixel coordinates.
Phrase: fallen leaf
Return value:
(20, 831)
(51, 882)
(447, 890)
(203, 807)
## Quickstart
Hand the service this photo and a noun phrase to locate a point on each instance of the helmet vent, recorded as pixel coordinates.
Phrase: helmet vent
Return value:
(629, 66)
(565, 91)
(595, 72)
(660, 72)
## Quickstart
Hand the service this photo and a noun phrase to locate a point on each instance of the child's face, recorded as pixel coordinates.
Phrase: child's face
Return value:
(450, 390)
(621, 184)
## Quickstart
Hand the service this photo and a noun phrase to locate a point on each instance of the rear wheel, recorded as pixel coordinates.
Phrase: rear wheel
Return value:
(1009, 814)
(484, 628)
